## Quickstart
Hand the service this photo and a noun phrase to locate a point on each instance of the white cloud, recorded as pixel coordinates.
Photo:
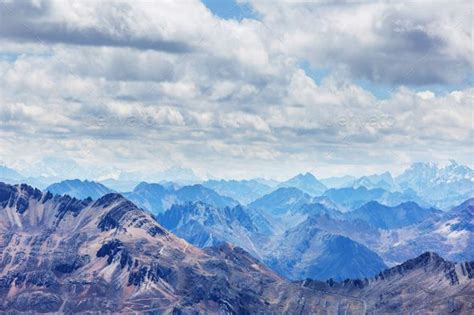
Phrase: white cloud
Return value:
(171, 84)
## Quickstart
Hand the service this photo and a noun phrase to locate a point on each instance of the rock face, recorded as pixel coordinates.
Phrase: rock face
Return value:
(61, 254)
(411, 288)
(64, 255)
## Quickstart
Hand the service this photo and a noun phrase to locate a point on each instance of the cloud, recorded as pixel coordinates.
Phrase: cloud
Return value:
(41, 22)
(238, 97)
(384, 42)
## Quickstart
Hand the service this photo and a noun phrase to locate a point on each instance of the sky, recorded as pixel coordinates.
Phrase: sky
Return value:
(235, 89)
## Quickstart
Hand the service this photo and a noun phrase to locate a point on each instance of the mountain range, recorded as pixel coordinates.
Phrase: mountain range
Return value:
(349, 198)
(64, 255)
(244, 191)
(427, 184)
(79, 189)
(157, 198)
(306, 183)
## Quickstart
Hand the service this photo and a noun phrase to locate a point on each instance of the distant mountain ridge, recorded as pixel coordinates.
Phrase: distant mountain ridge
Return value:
(244, 191)
(79, 189)
(309, 252)
(306, 183)
(440, 186)
(385, 217)
(281, 200)
(156, 198)
(384, 181)
(349, 198)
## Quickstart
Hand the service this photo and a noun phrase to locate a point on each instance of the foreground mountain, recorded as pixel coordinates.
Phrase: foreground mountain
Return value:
(427, 284)
(64, 255)
(244, 191)
(443, 187)
(79, 189)
(306, 183)
(157, 198)
(60, 254)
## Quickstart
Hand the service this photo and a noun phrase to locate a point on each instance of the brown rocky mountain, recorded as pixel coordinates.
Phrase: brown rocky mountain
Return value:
(60, 254)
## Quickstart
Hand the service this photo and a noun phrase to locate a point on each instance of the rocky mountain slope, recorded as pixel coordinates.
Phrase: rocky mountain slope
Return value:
(427, 284)
(60, 254)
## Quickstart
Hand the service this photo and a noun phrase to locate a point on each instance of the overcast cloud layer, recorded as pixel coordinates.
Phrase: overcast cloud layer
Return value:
(290, 87)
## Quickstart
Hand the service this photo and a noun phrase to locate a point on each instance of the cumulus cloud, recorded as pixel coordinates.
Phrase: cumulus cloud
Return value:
(75, 23)
(135, 86)
(386, 42)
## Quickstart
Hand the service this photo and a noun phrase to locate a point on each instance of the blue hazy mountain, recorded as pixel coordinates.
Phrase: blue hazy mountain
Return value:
(281, 201)
(385, 217)
(451, 234)
(306, 251)
(120, 185)
(307, 183)
(384, 181)
(318, 209)
(10, 175)
(157, 198)
(183, 176)
(329, 255)
(338, 181)
(349, 198)
(443, 187)
(244, 191)
(79, 189)
(205, 225)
